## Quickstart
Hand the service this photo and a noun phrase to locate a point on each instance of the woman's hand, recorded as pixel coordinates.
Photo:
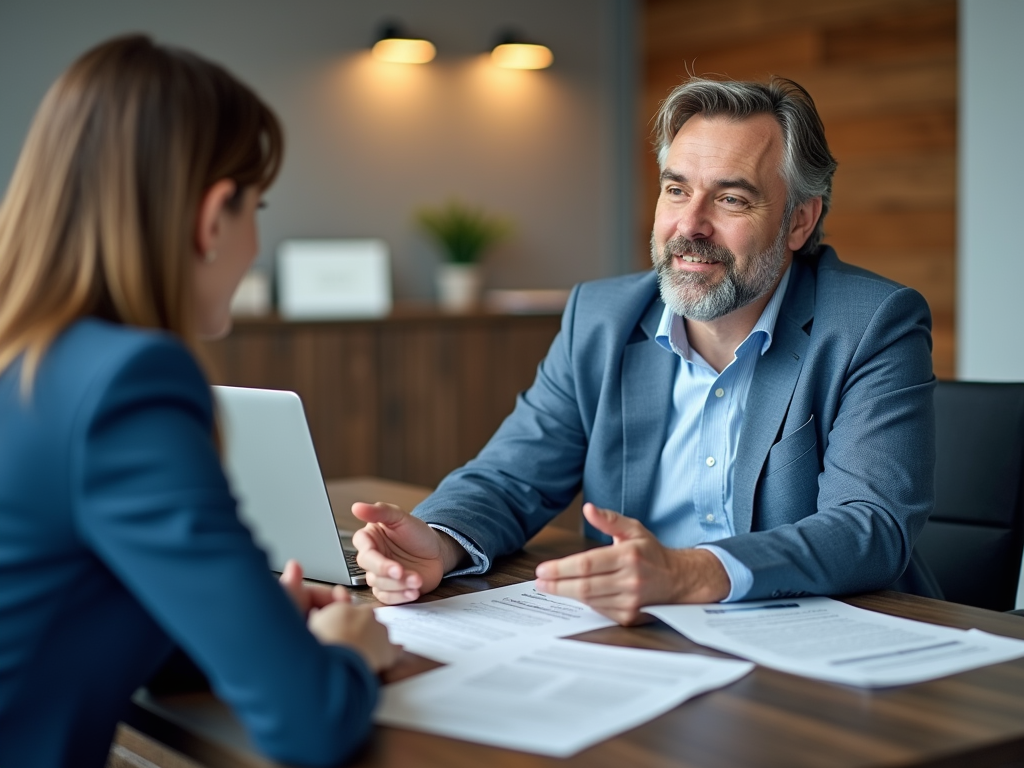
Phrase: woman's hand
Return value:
(355, 626)
(310, 596)
(333, 619)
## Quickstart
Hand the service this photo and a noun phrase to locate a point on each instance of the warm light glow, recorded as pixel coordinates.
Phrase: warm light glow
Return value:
(522, 56)
(401, 50)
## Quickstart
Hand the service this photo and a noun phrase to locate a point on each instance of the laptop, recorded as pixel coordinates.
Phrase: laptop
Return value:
(274, 473)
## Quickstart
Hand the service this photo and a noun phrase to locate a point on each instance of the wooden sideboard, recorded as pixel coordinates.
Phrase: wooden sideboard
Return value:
(407, 397)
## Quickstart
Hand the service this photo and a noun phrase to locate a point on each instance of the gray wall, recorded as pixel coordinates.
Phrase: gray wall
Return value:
(368, 143)
(990, 266)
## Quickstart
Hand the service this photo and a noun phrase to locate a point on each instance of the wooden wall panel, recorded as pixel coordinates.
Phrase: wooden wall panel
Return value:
(420, 408)
(446, 388)
(334, 373)
(713, 24)
(883, 74)
(407, 398)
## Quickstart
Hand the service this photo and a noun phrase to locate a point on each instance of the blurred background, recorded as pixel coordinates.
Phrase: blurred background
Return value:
(921, 101)
(368, 142)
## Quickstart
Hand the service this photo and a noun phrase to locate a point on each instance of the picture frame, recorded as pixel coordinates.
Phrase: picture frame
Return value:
(333, 279)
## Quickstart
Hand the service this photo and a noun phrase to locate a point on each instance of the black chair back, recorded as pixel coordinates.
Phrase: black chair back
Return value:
(973, 541)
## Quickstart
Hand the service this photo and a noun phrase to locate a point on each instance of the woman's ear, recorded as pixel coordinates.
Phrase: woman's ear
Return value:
(211, 207)
(802, 223)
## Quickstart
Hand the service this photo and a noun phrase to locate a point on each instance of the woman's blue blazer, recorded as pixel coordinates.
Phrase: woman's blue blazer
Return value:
(119, 539)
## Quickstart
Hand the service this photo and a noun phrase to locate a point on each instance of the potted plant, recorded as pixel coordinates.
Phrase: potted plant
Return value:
(464, 234)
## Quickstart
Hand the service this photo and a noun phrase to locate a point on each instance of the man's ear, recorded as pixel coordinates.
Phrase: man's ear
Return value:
(211, 207)
(802, 223)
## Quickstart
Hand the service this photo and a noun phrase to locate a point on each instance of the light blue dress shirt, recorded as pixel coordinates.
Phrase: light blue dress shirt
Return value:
(693, 488)
(703, 432)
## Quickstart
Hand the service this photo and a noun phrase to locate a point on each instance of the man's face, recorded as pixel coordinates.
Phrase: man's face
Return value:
(719, 240)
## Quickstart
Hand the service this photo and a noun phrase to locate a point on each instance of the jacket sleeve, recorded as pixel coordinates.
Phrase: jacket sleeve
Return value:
(855, 512)
(154, 505)
(530, 469)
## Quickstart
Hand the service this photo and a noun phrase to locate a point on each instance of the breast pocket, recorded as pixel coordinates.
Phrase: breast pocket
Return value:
(788, 490)
(796, 447)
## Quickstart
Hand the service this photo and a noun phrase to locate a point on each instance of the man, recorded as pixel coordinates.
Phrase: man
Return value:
(751, 420)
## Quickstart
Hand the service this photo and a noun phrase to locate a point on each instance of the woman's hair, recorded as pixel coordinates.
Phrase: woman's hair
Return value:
(100, 216)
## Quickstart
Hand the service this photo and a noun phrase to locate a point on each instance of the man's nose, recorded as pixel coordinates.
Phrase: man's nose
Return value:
(694, 222)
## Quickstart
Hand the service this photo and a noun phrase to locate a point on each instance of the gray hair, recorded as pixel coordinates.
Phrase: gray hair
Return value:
(807, 163)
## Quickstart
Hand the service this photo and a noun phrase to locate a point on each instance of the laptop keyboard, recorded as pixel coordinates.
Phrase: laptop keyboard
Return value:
(353, 566)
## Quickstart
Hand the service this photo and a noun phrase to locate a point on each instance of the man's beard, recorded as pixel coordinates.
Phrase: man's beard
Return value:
(696, 297)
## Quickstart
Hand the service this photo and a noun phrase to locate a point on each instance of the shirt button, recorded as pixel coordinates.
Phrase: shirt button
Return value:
(710, 461)
(719, 392)
(710, 518)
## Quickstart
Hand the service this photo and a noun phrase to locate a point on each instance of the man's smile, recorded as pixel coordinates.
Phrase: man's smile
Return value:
(692, 259)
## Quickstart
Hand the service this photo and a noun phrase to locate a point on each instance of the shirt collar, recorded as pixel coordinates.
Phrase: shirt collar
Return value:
(671, 333)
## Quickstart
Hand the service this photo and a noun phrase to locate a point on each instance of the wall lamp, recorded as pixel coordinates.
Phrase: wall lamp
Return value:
(395, 46)
(512, 52)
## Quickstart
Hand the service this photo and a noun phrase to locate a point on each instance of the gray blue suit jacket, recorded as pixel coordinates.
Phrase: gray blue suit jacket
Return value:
(834, 471)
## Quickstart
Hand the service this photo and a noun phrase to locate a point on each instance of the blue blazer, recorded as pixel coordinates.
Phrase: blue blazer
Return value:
(118, 539)
(834, 470)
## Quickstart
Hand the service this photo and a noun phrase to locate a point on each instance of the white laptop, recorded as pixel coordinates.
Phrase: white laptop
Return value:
(274, 473)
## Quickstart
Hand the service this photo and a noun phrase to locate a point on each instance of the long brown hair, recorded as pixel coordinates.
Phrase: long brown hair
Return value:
(100, 216)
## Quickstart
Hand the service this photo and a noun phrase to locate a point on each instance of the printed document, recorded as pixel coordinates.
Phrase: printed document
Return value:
(447, 630)
(828, 640)
(552, 697)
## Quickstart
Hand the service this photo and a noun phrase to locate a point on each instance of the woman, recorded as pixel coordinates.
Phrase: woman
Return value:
(129, 221)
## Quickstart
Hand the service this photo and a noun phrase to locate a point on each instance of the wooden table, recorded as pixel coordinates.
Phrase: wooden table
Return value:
(768, 718)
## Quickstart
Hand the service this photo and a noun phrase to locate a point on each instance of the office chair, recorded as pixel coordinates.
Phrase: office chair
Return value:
(974, 539)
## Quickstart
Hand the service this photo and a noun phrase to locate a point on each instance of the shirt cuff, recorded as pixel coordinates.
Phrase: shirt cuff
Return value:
(481, 563)
(741, 578)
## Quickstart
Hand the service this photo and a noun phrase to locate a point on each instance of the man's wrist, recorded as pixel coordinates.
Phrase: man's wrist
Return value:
(453, 554)
(741, 579)
(701, 577)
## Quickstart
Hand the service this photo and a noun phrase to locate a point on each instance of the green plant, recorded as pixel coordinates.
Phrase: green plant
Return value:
(463, 232)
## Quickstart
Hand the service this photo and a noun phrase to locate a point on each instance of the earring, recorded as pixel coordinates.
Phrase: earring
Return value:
(209, 257)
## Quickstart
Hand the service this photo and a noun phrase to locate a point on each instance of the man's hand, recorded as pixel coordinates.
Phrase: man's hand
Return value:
(309, 596)
(634, 571)
(403, 557)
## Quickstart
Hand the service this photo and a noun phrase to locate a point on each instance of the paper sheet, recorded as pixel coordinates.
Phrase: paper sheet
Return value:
(447, 630)
(552, 697)
(825, 639)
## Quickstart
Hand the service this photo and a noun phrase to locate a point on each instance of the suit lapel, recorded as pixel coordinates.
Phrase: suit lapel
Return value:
(648, 374)
(771, 392)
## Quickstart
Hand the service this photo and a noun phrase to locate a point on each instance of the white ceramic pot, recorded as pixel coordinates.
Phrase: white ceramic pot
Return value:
(458, 286)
